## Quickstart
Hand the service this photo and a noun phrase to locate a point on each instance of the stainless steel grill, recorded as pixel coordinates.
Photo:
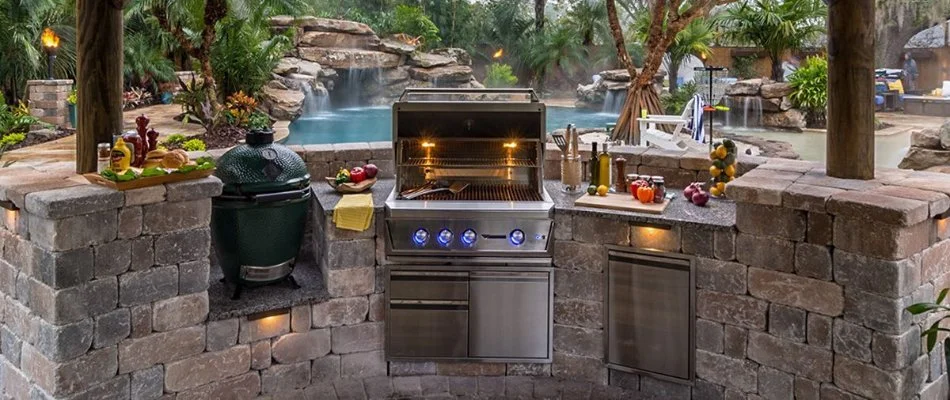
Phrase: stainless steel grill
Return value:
(479, 258)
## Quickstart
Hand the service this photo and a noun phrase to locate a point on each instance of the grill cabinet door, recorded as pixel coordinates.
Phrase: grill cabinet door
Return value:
(510, 316)
(428, 314)
(650, 314)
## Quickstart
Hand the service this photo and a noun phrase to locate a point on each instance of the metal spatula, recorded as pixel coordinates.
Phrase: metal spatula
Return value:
(560, 141)
(455, 188)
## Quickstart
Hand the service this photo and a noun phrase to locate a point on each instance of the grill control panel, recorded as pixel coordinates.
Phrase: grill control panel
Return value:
(514, 235)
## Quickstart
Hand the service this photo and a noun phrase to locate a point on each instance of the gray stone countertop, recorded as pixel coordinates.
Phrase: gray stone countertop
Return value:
(266, 298)
(717, 214)
(329, 197)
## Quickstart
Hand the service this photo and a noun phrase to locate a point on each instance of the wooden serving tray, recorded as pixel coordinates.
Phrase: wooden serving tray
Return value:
(622, 202)
(149, 181)
(350, 187)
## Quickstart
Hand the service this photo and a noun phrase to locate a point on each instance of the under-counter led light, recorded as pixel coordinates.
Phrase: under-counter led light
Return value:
(942, 226)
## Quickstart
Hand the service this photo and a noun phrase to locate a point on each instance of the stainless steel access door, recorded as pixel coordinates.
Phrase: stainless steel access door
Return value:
(650, 299)
(510, 315)
(428, 314)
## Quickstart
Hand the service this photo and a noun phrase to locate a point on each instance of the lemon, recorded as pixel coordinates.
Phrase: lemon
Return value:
(721, 152)
(715, 172)
(712, 155)
(602, 190)
(721, 186)
(731, 178)
(715, 191)
(731, 171)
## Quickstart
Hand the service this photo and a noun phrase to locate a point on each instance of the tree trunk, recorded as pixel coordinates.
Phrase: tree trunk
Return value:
(850, 151)
(539, 15)
(674, 73)
(778, 74)
(98, 78)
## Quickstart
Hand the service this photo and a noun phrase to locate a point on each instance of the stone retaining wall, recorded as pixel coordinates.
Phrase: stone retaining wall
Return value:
(105, 295)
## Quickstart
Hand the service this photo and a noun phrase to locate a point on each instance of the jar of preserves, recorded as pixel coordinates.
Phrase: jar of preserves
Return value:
(659, 189)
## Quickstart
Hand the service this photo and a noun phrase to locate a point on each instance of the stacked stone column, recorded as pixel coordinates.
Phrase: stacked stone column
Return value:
(47, 100)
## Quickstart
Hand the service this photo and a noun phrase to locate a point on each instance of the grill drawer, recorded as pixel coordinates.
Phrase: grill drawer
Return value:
(428, 285)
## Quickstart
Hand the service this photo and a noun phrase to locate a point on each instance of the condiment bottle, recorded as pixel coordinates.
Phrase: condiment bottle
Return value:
(603, 168)
(659, 189)
(121, 157)
(620, 174)
(593, 164)
(104, 153)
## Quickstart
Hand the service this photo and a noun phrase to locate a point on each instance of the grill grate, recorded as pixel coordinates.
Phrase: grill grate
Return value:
(487, 192)
(469, 162)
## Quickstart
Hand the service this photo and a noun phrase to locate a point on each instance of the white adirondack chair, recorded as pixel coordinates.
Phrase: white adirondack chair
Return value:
(682, 137)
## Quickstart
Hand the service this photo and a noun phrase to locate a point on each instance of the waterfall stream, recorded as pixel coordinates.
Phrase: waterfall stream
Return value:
(613, 101)
(744, 111)
(314, 104)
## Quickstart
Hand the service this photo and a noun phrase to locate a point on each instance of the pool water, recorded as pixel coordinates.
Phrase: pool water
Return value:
(372, 124)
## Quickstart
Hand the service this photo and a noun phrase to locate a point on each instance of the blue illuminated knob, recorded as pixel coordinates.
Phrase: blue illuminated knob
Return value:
(469, 237)
(516, 237)
(445, 237)
(420, 237)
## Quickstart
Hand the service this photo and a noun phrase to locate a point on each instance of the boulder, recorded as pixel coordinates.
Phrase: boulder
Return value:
(791, 119)
(927, 138)
(588, 97)
(452, 73)
(394, 46)
(945, 135)
(776, 90)
(749, 87)
(339, 40)
(615, 75)
(429, 60)
(920, 158)
(350, 58)
(328, 25)
(777, 104)
(614, 85)
(394, 75)
(460, 56)
(280, 102)
(287, 65)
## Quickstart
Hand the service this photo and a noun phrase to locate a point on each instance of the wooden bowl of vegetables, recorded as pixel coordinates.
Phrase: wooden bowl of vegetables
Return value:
(354, 180)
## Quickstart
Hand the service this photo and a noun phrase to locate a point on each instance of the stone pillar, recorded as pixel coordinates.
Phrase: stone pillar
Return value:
(48, 100)
(105, 293)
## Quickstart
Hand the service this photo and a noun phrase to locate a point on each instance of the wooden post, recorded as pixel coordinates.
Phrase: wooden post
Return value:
(99, 29)
(851, 89)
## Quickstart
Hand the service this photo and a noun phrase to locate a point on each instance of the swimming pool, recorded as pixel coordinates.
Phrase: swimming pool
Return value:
(371, 124)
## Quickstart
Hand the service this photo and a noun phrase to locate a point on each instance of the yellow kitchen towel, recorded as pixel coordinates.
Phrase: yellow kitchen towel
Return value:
(354, 212)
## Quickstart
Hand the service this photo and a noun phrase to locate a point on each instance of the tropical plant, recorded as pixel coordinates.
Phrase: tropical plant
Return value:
(586, 18)
(73, 97)
(810, 90)
(244, 56)
(675, 101)
(15, 119)
(414, 22)
(743, 67)
(554, 50)
(145, 65)
(238, 109)
(21, 24)
(193, 145)
(259, 121)
(499, 75)
(10, 140)
(934, 330)
(694, 40)
(174, 140)
(776, 26)
(195, 102)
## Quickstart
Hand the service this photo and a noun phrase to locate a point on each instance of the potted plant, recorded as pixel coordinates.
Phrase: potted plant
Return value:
(71, 107)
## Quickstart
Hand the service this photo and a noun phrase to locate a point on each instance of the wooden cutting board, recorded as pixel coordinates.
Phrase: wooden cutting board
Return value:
(622, 202)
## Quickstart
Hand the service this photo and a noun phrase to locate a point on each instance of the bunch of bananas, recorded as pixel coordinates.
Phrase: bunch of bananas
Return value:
(723, 169)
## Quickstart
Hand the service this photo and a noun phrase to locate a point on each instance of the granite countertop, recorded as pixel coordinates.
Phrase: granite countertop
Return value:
(718, 213)
(266, 298)
(328, 197)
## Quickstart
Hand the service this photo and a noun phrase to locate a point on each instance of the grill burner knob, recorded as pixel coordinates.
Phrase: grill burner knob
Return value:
(445, 237)
(421, 236)
(469, 237)
(516, 237)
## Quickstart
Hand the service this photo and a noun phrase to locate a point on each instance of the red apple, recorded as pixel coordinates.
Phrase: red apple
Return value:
(700, 198)
(371, 170)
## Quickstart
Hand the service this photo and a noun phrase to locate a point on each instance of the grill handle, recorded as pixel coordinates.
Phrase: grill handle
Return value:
(406, 93)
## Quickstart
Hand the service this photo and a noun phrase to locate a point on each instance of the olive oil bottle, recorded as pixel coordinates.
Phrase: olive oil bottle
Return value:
(603, 168)
(593, 164)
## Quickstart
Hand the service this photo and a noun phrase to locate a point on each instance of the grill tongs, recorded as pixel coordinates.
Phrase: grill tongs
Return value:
(433, 187)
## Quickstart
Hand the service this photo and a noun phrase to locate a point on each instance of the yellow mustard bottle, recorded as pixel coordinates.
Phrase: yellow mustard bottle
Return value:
(121, 157)
(603, 164)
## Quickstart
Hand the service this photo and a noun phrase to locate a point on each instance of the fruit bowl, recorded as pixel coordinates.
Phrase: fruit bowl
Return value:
(350, 187)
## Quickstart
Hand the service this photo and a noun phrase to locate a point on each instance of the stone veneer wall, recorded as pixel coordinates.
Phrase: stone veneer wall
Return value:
(47, 100)
(105, 296)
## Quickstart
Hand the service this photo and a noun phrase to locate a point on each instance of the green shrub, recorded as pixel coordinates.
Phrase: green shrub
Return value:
(15, 119)
(73, 97)
(173, 140)
(674, 102)
(258, 121)
(810, 89)
(11, 139)
(499, 75)
(414, 22)
(194, 145)
(743, 67)
(244, 55)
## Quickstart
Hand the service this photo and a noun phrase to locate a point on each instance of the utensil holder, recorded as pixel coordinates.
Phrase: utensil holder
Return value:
(572, 173)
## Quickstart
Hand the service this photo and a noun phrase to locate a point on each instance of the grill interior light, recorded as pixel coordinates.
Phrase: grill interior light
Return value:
(428, 145)
(511, 145)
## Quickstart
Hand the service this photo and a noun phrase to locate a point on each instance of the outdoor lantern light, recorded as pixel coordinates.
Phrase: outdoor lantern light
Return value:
(50, 42)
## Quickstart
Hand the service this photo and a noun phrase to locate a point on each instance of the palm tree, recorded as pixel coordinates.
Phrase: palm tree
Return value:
(554, 49)
(776, 26)
(539, 15)
(145, 64)
(21, 23)
(694, 40)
